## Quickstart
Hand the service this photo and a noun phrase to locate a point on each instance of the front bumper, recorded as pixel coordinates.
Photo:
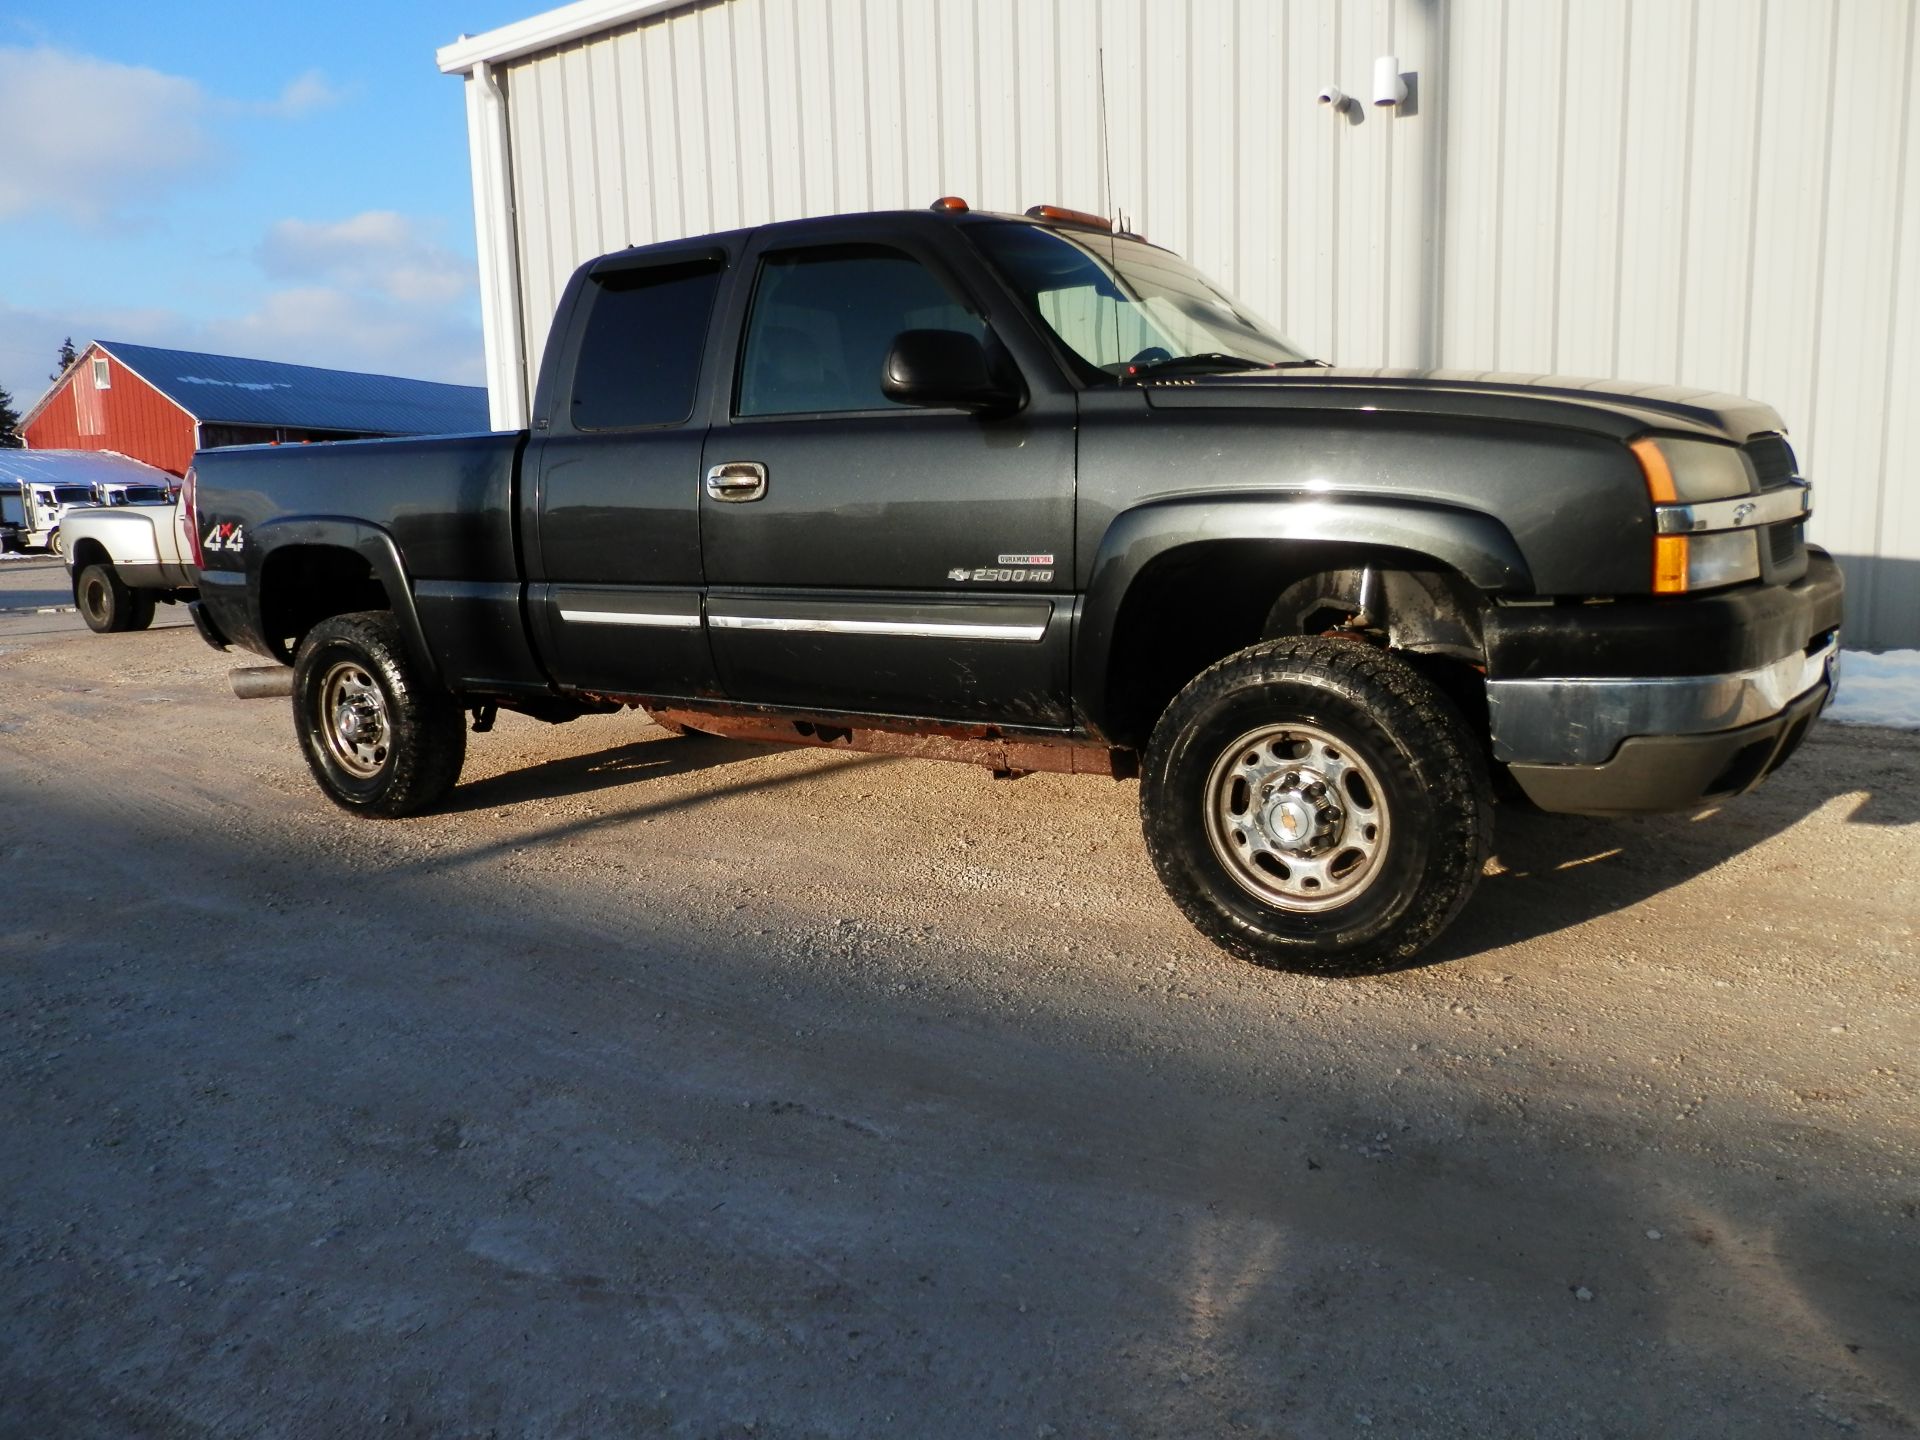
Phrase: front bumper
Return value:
(1652, 773)
(1635, 743)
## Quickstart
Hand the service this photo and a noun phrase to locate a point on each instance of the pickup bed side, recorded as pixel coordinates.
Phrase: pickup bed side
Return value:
(422, 527)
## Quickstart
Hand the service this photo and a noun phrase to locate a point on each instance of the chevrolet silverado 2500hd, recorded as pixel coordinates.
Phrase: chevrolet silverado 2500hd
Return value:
(1022, 490)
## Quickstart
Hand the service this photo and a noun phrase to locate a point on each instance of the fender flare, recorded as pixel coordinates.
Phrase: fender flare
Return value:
(370, 543)
(1470, 542)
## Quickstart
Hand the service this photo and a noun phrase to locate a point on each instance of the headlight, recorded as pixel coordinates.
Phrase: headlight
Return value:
(1700, 562)
(1686, 472)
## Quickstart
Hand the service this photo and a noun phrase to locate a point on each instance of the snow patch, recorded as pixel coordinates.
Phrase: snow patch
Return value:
(1879, 689)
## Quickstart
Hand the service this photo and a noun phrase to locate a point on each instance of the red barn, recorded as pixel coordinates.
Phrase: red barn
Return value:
(162, 405)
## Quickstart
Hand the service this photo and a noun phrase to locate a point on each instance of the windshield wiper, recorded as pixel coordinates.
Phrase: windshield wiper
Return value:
(1211, 360)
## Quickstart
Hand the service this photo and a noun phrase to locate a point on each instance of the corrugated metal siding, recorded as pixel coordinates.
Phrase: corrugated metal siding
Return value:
(132, 417)
(1723, 192)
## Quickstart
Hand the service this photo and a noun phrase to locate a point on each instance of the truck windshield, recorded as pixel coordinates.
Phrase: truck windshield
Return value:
(72, 495)
(1125, 307)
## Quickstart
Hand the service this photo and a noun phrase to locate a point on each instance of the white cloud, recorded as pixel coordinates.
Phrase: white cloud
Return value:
(91, 140)
(379, 250)
(303, 95)
(375, 291)
(319, 326)
(353, 330)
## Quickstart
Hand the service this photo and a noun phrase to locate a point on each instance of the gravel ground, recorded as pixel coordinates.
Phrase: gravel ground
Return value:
(672, 1087)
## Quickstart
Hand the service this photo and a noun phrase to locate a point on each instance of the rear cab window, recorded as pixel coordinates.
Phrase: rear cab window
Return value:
(642, 345)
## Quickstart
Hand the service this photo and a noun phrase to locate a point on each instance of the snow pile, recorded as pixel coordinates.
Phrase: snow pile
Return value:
(1879, 689)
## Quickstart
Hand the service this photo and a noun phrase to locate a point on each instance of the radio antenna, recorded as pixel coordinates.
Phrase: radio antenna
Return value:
(1113, 242)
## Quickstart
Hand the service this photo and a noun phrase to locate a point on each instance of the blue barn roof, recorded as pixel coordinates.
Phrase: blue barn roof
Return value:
(225, 389)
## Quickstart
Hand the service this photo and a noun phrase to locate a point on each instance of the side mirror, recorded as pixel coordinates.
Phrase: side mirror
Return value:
(945, 367)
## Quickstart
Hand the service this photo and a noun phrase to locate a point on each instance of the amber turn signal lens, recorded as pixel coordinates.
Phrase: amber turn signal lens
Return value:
(1670, 564)
(950, 202)
(1653, 465)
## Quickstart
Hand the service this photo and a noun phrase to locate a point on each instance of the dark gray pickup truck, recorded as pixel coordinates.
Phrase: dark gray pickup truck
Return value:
(1020, 490)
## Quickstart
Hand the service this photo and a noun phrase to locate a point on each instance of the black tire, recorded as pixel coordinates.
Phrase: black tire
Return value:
(1390, 847)
(56, 545)
(140, 614)
(379, 737)
(105, 602)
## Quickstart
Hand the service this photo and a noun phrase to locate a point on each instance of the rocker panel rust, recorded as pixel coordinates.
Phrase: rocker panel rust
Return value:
(1006, 756)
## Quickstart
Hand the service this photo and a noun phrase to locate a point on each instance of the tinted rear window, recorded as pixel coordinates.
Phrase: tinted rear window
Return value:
(639, 360)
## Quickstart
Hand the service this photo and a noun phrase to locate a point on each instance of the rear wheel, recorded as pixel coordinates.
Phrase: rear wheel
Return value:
(1316, 805)
(379, 737)
(104, 601)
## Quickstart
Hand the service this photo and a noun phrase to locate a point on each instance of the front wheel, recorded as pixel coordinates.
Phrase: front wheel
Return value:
(379, 737)
(1315, 805)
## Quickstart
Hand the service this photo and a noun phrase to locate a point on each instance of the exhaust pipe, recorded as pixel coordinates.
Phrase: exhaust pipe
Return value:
(261, 682)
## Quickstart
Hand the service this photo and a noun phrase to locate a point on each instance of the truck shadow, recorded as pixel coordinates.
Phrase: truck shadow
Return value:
(1553, 872)
(655, 758)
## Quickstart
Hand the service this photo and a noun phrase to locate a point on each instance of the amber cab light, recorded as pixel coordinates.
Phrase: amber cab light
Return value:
(1060, 215)
(950, 202)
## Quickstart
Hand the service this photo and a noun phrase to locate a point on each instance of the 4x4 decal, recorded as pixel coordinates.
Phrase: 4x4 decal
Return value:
(228, 535)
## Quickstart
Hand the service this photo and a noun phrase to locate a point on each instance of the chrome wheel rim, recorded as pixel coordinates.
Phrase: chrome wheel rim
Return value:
(1297, 817)
(353, 720)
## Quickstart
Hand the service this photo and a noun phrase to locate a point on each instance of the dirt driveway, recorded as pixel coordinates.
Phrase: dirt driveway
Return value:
(671, 1087)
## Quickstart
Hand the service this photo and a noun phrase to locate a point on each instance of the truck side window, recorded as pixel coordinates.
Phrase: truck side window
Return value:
(823, 321)
(639, 360)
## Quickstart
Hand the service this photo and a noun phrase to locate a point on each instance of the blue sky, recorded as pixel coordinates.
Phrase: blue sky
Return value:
(260, 179)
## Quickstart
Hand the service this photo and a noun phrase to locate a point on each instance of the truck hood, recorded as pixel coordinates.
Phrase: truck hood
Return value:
(1621, 409)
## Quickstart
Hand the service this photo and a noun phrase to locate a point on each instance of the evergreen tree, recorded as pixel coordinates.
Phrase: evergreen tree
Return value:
(10, 437)
(67, 356)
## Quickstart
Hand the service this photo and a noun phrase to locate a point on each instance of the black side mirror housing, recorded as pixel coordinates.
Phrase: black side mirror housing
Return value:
(945, 368)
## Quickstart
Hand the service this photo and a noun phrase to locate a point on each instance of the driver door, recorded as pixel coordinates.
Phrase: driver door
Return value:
(864, 556)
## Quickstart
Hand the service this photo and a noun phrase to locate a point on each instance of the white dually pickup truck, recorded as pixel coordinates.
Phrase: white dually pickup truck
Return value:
(124, 561)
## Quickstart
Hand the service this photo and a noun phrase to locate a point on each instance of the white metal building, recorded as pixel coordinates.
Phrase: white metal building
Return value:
(1721, 192)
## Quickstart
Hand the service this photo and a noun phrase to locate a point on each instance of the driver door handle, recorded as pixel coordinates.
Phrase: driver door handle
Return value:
(737, 480)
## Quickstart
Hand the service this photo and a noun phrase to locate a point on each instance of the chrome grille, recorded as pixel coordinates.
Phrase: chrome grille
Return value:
(1773, 458)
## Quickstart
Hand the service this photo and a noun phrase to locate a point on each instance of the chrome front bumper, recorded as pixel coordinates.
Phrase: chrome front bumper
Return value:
(1585, 721)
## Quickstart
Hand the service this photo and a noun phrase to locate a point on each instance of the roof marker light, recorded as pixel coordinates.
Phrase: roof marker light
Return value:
(1060, 215)
(950, 202)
